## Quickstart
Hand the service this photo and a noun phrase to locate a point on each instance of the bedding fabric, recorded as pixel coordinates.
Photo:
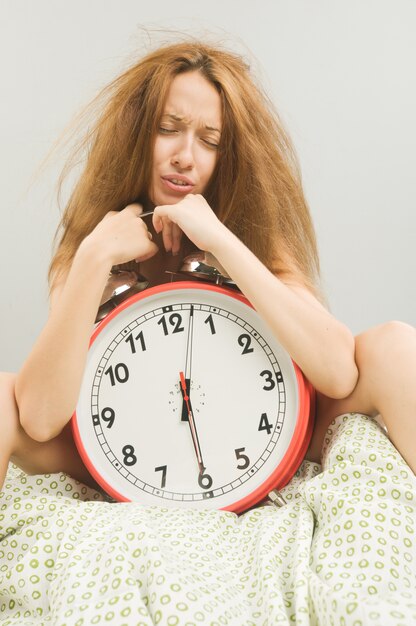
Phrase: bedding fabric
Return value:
(342, 550)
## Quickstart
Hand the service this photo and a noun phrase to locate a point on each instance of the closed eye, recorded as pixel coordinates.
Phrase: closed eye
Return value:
(171, 131)
(167, 131)
(211, 144)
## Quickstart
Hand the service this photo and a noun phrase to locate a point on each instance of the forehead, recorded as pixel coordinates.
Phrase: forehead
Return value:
(192, 97)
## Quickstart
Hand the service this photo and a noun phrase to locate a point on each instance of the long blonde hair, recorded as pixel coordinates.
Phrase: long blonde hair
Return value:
(255, 189)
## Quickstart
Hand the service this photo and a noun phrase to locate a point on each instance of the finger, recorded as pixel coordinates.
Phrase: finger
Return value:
(162, 214)
(176, 238)
(109, 214)
(167, 234)
(148, 252)
(134, 208)
(141, 224)
(157, 221)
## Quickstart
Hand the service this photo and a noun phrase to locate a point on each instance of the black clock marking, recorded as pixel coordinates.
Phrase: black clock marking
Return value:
(129, 457)
(269, 379)
(175, 320)
(205, 481)
(243, 457)
(108, 415)
(265, 424)
(132, 341)
(163, 469)
(119, 374)
(210, 321)
(245, 342)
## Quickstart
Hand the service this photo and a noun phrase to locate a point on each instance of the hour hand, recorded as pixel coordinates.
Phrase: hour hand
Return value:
(185, 413)
(192, 426)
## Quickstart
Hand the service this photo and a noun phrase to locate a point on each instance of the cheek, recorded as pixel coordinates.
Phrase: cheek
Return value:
(206, 161)
(210, 167)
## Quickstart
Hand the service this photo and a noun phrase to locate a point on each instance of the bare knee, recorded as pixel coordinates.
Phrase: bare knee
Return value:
(9, 416)
(383, 354)
(7, 397)
(8, 407)
(385, 343)
(7, 382)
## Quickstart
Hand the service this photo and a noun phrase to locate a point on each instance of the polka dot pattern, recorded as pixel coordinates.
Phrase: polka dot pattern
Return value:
(340, 551)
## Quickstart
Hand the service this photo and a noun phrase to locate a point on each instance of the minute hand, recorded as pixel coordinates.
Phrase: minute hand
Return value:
(192, 426)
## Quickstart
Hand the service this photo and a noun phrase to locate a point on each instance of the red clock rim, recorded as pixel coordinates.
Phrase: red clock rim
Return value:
(304, 419)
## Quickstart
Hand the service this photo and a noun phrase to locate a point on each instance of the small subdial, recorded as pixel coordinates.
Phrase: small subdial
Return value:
(178, 406)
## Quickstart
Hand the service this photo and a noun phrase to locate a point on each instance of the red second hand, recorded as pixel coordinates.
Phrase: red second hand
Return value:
(183, 385)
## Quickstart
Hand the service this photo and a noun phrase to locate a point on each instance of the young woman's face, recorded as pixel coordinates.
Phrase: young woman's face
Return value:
(186, 146)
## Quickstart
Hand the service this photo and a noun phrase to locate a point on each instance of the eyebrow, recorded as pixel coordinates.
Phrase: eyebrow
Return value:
(181, 118)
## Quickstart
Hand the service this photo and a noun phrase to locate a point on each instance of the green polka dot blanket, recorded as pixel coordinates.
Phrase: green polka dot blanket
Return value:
(341, 550)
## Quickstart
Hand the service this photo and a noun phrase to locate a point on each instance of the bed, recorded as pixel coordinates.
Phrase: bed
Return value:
(341, 550)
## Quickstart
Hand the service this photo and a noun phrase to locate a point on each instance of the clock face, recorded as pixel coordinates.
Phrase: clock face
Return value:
(188, 400)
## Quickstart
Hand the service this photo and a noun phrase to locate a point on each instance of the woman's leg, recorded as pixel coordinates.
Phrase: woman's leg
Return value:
(386, 359)
(8, 421)
(57, 455)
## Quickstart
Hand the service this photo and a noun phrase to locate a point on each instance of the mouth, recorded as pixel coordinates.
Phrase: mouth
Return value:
(177, 182)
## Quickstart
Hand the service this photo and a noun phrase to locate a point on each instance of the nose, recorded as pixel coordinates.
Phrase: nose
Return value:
(183, 156)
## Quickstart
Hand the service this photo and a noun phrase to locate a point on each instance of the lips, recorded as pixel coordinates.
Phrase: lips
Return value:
(178, 183)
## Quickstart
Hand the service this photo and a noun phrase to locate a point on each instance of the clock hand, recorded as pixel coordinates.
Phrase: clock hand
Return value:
(188, 360)
(192, 426)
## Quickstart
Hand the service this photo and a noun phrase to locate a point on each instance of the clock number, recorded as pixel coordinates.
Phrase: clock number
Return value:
(129, 457)
(119, 374)
(205, 481)
(131, 341)
(265, 424)
(108, 415)
(245, 341)
(210, 321)
(174, 320)
(269, 379)
(246, 461)
(163, 469)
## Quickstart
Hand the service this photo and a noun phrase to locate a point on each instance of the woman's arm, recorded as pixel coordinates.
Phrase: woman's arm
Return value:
(322, 346)
(48, 384)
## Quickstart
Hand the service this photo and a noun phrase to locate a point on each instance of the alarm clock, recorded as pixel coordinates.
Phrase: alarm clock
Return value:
(188, 400)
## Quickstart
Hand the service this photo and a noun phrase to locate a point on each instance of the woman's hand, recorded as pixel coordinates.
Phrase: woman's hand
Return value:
(122, 236)
(192, 216)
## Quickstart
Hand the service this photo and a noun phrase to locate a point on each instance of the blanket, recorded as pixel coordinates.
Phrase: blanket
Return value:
(341, 550)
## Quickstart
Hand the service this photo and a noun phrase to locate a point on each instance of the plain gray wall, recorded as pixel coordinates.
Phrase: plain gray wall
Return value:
(342, 75)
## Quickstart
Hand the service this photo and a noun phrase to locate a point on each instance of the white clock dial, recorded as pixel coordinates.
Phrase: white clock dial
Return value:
(133, 419)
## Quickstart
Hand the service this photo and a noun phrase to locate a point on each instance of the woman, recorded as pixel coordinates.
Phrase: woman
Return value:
(186, 131)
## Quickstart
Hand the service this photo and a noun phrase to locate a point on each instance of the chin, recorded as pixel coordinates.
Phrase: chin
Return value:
(161, 200)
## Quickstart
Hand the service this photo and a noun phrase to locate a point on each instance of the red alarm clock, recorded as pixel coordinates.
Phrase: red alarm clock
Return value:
(188, 400)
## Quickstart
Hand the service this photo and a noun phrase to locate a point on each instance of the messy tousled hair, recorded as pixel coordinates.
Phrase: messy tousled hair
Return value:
(255, 188)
